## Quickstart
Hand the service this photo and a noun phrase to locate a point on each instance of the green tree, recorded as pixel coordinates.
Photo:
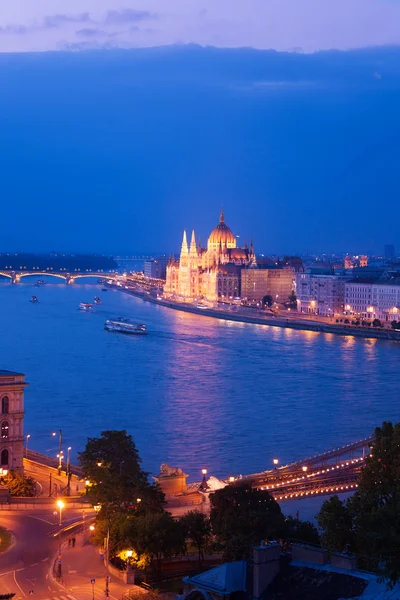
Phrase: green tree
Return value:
(6, 596)
(292, 297)
(336, 520)
(241, 517)
(376, 323)
(267, 300)
(301, 531)
(19, 485)
(197, 529)
(370, 520)
(159, 535)
(112, 465)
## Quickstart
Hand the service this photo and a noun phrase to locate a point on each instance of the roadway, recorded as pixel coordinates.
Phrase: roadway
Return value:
(26, 568)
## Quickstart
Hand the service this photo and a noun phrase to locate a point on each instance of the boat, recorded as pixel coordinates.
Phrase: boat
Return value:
(97, 300)
(101, 280)
(104, 289)
(34, 299)
(85, 307)
(39, 282)
(123, 327)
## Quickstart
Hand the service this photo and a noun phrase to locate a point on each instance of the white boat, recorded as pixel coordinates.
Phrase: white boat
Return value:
(85, 307)
(124, 327)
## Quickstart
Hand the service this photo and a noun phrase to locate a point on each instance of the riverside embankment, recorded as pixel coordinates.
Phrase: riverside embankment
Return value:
(273, 321)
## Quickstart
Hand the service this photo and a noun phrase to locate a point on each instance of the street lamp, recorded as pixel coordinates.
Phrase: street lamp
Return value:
(69, 459)
(304, 468)
(275, 461)
(26, 446)
(138, 500)
(231, 479)
(60, 458)
(60, 505)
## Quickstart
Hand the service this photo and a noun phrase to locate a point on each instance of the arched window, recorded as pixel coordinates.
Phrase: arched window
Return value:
(4, 430)
(4, 458)
(4, 405)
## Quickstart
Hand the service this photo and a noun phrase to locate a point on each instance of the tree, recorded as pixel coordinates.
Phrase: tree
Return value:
(197, 529)
(112, 465)
(370, 520)
(267, 300)
(241, 517)
(19, 485)
(301, 531)
(336, 520)
(6, 596)
(376, 323)
(395, 324)
(159, 536)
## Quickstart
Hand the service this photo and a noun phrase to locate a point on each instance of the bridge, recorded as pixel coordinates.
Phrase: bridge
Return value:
(333, 472)
(16, 276)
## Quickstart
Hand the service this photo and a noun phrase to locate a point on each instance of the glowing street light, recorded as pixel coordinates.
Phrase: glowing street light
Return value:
(60, 505)
(304, 468)
(231, 479)
(138, 500)
(69, 459)
(276, 462)
(91, 527)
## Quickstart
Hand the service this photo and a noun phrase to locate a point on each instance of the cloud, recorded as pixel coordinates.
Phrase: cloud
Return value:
(90, 32)
(13, 30)
(128, 15)
(60, 20)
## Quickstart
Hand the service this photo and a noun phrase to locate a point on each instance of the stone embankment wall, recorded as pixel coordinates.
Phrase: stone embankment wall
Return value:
(300, 324)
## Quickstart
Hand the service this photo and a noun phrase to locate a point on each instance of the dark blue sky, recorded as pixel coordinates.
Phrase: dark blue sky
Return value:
(118, 151)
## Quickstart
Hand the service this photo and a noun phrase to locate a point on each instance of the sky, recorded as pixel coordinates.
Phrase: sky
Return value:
(118, 151)
(307, 25)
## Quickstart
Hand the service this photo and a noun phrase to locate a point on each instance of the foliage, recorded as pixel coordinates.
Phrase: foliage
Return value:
(301, 531)
(370, 520)
(292, 297)
(6, 596)
(5, 539)
(197, 529)
(19, 485)
(336, 521)
(241, 517)
(376, 323)
(395, 324)
(267, 300)
(112, 465)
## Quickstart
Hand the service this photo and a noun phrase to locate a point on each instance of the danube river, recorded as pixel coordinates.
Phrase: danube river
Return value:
(196, 392)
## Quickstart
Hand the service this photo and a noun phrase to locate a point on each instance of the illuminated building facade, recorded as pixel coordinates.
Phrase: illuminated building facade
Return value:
(12, 386)
(211, 273)
(374, 298)
(320, 294)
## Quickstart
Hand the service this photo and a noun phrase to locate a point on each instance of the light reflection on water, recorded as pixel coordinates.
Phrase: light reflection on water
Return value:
(196, 391)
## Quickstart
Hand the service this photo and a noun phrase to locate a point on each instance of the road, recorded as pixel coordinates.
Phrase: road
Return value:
(26, 566)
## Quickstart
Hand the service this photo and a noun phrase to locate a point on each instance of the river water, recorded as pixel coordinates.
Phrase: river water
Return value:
(196, 392)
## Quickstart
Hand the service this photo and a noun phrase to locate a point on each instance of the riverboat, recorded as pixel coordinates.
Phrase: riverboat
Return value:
(39, 282)
(124, 327)
(85, 307)
(34, 299)
(97, 300)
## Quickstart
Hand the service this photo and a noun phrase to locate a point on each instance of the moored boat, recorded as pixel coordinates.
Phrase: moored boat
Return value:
(124, 327)
(97, 300)
(34, 299)
(84, 306)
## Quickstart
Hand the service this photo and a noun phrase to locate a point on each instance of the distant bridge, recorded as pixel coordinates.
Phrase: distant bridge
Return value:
(16, 276)
(333, 472)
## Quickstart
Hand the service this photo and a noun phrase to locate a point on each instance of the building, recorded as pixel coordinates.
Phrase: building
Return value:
(390, 252)
(253, 284)
(320, 294)
(12, 386)
(281, 283)
(210, 273)
(363, 262)
(258, 281)
(155, 268)
(374, 298)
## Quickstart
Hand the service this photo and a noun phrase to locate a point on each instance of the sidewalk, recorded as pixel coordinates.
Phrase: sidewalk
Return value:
(82, 564)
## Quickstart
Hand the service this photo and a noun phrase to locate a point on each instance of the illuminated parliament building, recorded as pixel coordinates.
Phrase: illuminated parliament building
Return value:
(211, 273)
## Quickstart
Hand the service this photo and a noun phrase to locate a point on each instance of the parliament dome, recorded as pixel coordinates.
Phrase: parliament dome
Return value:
(221, 235)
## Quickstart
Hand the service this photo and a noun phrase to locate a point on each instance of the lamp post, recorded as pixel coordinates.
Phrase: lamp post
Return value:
(26, 445)
(107, 541)
(276, 462)
(69, 459)
(60, 505)
(60, 459)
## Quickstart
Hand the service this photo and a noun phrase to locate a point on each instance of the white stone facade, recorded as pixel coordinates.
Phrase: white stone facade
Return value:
(373, 300)
(320, 294)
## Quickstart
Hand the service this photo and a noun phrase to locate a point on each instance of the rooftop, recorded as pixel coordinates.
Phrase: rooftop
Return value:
(4, 373)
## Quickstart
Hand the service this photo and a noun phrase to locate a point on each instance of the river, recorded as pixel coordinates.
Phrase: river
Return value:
(196, 392)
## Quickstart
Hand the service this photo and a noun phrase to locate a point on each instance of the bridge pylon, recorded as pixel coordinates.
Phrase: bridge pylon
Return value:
(15, 277)
(69, 279)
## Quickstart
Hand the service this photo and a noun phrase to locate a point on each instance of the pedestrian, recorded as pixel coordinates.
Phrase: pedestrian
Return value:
(73, 542)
